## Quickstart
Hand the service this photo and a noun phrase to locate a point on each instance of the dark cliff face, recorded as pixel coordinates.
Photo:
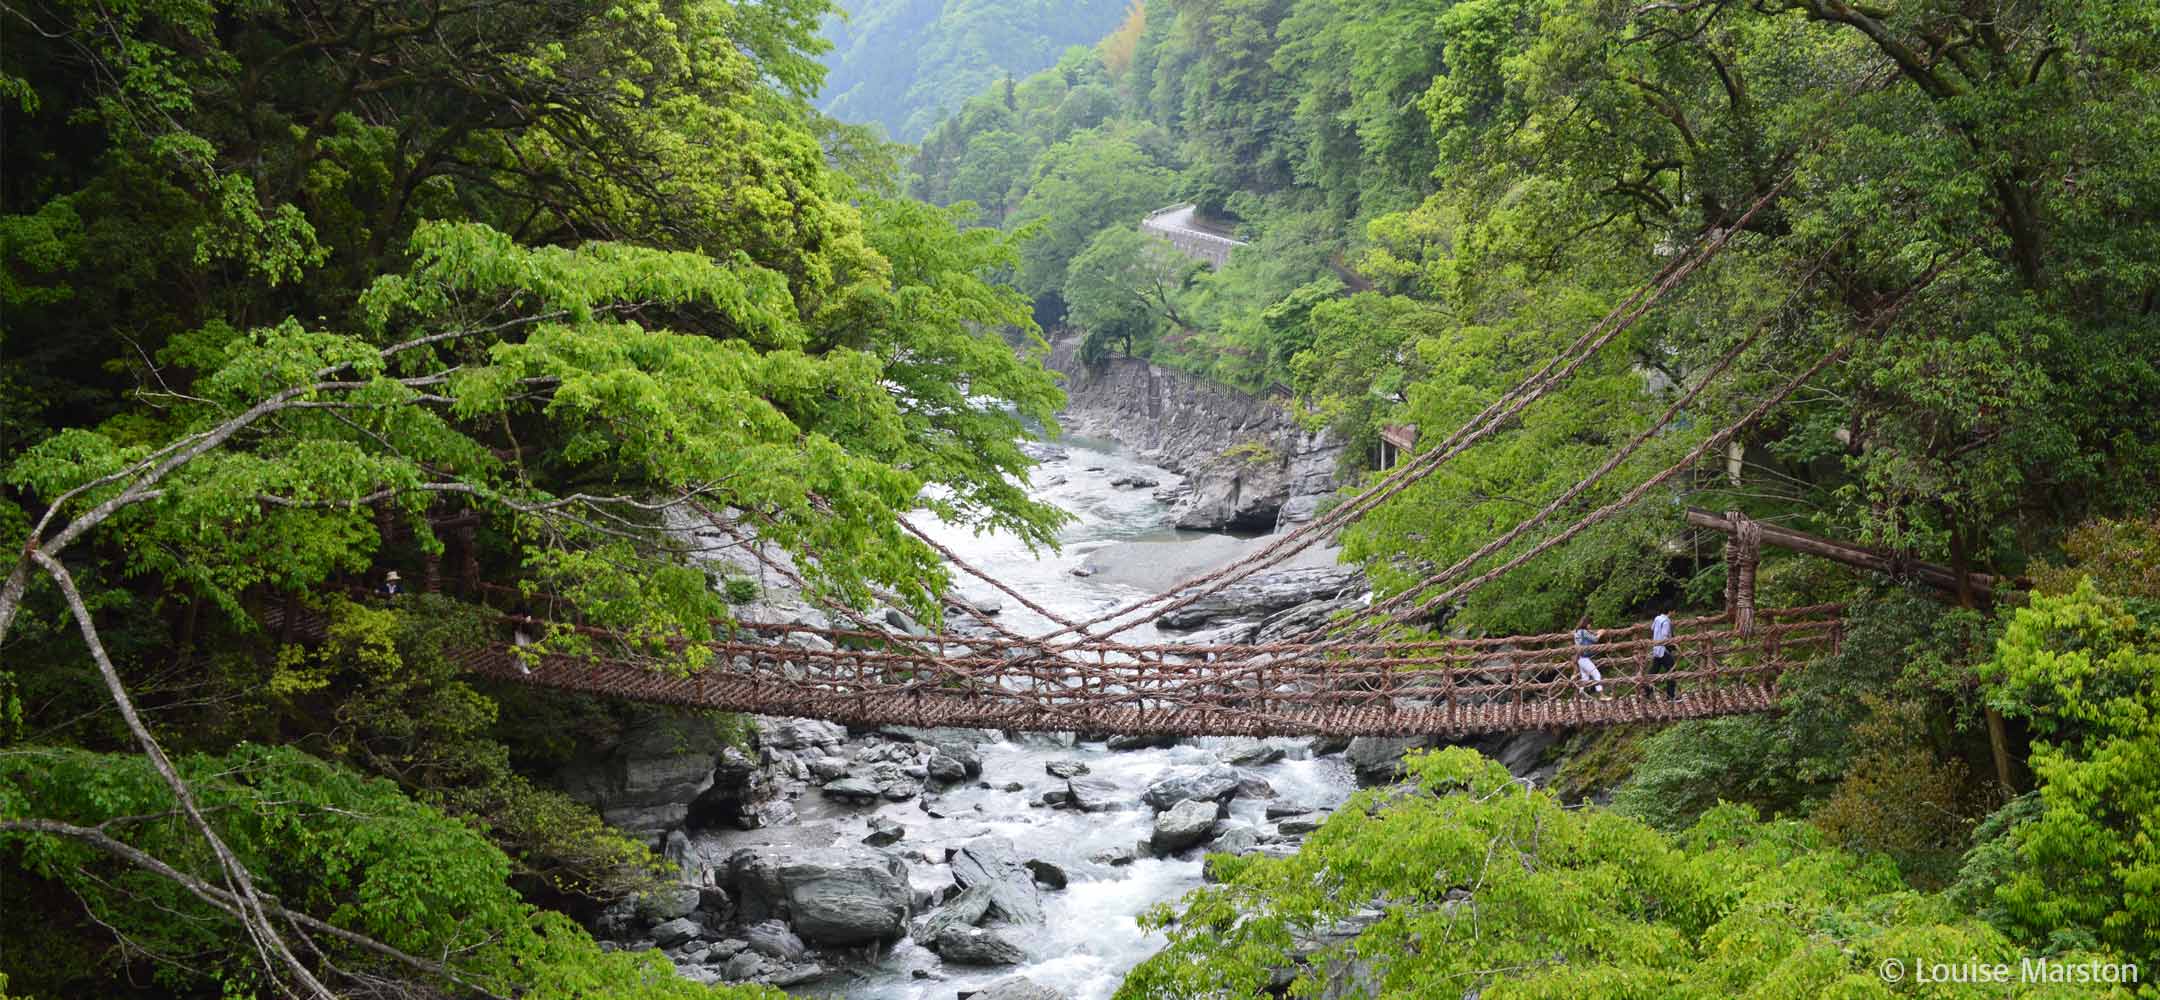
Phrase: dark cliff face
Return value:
(1251, 466)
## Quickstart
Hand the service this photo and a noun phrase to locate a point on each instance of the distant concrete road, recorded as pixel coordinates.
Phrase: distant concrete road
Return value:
(1181, 227)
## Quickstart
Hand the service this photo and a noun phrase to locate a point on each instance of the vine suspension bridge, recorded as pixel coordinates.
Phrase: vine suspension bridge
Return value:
(1346, 678)
(1434, 687)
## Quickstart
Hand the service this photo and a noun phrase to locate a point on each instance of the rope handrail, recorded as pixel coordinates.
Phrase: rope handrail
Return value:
(1428, 687)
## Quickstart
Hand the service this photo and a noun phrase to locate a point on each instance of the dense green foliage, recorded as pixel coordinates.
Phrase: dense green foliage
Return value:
(1439, 196)
(2087, 672)
(904, 64)
(291, 297)
(324, 840)
(1493, 888)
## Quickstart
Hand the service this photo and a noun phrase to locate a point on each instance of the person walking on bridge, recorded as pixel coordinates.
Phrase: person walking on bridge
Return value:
(1586, 670)
(1661, 657)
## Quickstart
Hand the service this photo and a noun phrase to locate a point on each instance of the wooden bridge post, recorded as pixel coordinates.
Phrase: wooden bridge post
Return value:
(1741, 557)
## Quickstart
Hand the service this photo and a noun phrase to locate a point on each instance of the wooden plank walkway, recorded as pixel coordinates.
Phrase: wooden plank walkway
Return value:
(1449, 688)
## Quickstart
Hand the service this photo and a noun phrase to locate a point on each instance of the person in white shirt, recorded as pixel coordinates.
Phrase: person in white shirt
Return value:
(1586, 670)
(1661, 657)
(523, 639)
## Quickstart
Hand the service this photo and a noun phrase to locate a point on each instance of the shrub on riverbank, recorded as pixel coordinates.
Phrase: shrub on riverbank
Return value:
(1495, 888)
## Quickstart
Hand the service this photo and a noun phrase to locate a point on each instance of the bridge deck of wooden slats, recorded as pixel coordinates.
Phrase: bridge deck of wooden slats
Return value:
(1455, 687)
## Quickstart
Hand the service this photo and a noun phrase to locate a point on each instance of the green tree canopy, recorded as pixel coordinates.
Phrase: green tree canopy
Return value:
(1486, 885)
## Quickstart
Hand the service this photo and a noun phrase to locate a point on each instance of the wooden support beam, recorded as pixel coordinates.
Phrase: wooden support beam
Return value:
(1934, 574)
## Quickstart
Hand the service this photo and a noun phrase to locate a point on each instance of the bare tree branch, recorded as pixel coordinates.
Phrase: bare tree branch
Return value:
(224, 901)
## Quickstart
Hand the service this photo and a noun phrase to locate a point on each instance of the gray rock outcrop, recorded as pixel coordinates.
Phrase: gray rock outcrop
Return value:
(667, 903)
(1264, 594)
(1183, 825)
(773, 939)
(992, 862)
(1249, 463)
(975, 946)
(1206, 784)
(1016, 988)
(830, 896)
(1247, 458)
(644, 782)
(1377, 760)
(676, 931)
(1092, 794)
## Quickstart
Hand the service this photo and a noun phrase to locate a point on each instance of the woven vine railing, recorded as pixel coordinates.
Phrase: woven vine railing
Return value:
(1452, 687)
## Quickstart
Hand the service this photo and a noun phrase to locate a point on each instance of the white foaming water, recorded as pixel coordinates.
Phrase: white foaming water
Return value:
(1090, 937)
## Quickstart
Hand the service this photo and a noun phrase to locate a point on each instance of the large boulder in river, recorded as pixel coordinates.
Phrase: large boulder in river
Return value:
(941, 736)
(1016, 988)
(1092, 794)
(1139, 741)
(1304, 617)
(1301, 824)
(644, 782)
(963, 945)
(1206, 784)
(773, 939)
(992, 862)
(676, 931)
(1250, 752)
(943, 767)
(1237, 838)
(799, 734)
(1183, 825)
(1377, 760)
(667, 903)
(966, 909)
(844, 895)
(1263, 595)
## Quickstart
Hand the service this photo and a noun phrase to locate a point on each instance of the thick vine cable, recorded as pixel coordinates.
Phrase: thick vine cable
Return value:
(1881, 318)
(1581, 486)
(1495, 415)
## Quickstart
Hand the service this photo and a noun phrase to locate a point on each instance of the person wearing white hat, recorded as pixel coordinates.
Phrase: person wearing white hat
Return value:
(390, 587)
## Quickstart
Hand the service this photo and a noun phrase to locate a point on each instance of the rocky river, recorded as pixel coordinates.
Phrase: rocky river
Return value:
(942, 863)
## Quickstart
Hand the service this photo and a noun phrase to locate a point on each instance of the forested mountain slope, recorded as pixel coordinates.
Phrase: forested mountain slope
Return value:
(294, 297)
(1438, 192)
(1952, 210)
(904, 64)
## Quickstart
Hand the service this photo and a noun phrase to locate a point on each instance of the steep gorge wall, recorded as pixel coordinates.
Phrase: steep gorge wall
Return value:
(1250, 466)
